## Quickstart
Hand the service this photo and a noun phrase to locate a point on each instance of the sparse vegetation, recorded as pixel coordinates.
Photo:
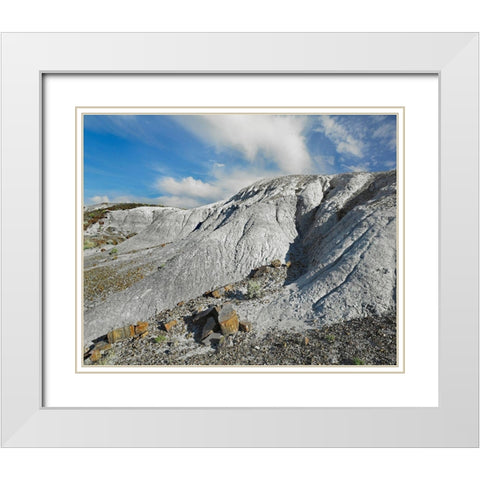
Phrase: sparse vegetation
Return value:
(330, 338)
(253, 289)
(160, 339)
(113, 251)
(103, 280)
(358, 361)
(87, 243)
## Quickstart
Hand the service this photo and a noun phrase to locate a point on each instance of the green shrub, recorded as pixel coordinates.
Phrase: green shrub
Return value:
(358, 361)
(113, 251)
(160, 339)
(253, 289)
(87, 243)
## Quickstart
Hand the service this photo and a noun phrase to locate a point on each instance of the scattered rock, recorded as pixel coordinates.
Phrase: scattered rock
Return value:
(103, 346)
(216, 294)
(222, 342)
(261, 271)
(95, 355)
(128, 331)
(121, 334)
(202, 315)
(288, 264)
(276, 263)
(228, 288)
(141, 328)
(169, 325)
(245, 326)
(306, 341)
(214, 339)
(180, 304)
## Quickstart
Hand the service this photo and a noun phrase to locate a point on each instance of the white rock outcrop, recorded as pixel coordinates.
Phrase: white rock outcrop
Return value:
(339, 231)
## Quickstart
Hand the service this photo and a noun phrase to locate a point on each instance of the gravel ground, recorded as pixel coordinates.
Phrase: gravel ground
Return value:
(366, 341)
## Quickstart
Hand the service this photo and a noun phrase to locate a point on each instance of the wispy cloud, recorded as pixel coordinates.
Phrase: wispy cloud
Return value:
(133, 127)
(259, 138)
(325, 164)
(388, 133)
(344, 140)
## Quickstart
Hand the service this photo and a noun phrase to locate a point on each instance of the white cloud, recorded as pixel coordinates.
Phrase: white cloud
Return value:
(188, 186)
(275, 138)
(179, 201)
(190, 192)
(344, 141)
(99, 199)
(388, 133)
(359, 167)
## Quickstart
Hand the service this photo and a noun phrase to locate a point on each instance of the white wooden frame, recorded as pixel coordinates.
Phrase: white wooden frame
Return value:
(26, 57)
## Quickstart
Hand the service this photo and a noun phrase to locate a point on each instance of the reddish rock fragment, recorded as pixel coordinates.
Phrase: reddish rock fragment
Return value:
(245, 326)
(169, 325)
(228, 319)
(121, 334)
(140, 328)
(95, 356)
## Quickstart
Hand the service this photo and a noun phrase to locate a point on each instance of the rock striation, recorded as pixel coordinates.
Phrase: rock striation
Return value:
(337, 234)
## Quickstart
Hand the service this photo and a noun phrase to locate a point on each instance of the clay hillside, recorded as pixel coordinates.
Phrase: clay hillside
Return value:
(298, 269)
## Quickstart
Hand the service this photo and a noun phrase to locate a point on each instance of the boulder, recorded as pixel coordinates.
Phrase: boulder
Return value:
(228, 319)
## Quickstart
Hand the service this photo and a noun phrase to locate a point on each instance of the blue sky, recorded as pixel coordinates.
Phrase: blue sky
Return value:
(190, 160)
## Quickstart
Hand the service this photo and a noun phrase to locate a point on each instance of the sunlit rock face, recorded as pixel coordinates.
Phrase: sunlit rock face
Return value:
(338, 232)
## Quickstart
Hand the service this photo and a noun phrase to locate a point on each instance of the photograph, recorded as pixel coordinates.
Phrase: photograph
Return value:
(240, 239)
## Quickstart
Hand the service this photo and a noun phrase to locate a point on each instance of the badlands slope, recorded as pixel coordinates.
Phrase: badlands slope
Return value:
(339, 232)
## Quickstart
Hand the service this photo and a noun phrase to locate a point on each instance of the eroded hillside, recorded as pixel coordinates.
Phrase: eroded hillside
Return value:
(334, 238)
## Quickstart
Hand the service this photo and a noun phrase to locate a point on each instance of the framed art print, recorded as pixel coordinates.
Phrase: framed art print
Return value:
(209, 232)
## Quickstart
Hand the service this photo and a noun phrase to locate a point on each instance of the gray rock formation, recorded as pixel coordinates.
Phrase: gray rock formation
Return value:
(339, 232)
